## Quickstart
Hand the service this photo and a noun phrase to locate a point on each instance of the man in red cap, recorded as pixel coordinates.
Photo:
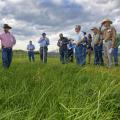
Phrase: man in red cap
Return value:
(7, 42)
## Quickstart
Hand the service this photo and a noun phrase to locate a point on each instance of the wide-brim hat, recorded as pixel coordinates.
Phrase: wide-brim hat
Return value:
(106, 20)
(7, 26)
(94, 28)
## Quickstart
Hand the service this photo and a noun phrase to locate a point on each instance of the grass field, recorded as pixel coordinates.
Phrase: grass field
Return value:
(36, 91)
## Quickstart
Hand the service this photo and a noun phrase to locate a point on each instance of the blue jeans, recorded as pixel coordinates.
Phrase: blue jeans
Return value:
(63, 55)
(31, 56)
(80, 54)
(6, 57)
(98, 57)
(115, 55)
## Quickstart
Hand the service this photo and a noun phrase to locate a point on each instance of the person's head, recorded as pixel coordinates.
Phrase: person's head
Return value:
(77, 28)
(95, 30)
(30, 42)
(61, 35)
(106, 23)
(6, 28)
(44, 35)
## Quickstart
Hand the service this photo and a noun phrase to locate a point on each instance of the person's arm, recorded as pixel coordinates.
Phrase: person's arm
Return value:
(58, 43)
(14, 40)
(40, 40)
(33, 47)
(113, 37)
(81, 39)
(27, 47)
(0, 37)
(48, 42)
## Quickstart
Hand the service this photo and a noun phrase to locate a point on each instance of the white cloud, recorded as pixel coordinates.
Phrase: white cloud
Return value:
(15, 1)
(32, 17)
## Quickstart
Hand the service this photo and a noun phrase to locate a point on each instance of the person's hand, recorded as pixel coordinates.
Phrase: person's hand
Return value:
(74, 42)
(112, 46)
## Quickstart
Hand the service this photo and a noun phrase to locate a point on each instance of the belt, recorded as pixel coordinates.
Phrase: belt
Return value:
(107, 40)
(44, 47)
(7, 47)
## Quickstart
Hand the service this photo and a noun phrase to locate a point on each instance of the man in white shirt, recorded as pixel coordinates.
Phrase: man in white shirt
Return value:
(79, 43)
(31, 48)
(44, 42)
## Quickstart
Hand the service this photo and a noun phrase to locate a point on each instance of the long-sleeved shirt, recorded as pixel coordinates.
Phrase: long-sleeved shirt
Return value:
(30, 47)
(44, 42)
(7, 40)
(62, 43)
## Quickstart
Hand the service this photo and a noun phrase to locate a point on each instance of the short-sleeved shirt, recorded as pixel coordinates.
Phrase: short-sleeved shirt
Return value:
(30, 47)
(79, 38)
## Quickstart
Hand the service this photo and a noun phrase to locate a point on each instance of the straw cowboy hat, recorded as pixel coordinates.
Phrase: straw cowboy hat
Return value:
(107, 20)
(7, 26)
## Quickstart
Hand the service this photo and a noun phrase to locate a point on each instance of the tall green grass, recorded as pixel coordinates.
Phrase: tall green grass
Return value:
(37, 91)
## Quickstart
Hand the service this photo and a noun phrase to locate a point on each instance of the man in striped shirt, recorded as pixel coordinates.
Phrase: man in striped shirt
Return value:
(7, 42)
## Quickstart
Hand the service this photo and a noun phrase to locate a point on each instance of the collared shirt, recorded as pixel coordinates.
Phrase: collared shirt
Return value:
(7, 40)
(30, 47)
(109, 33)
(44, 42)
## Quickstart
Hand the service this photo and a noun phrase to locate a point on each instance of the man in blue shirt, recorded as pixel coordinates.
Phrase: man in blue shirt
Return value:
(31, 48)
(44, 42)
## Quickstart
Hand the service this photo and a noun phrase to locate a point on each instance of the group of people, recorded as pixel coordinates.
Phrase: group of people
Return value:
(8, 41)
(103, 43)
(44, 42)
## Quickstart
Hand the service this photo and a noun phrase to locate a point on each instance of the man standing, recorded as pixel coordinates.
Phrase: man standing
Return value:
(7, 42)
(109, 41)
(31, 48)
(115, 51)
(44, 42)
(79, 43)
(62, 44)
(98, 60)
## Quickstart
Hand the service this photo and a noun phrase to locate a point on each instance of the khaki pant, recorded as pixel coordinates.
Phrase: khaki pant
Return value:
(107, 54)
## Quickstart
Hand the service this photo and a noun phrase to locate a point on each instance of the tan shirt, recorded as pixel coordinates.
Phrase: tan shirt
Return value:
(96, 39)
(110, 34)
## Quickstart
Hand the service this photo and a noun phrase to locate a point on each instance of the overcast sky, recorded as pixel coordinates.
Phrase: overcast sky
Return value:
(29, 18)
